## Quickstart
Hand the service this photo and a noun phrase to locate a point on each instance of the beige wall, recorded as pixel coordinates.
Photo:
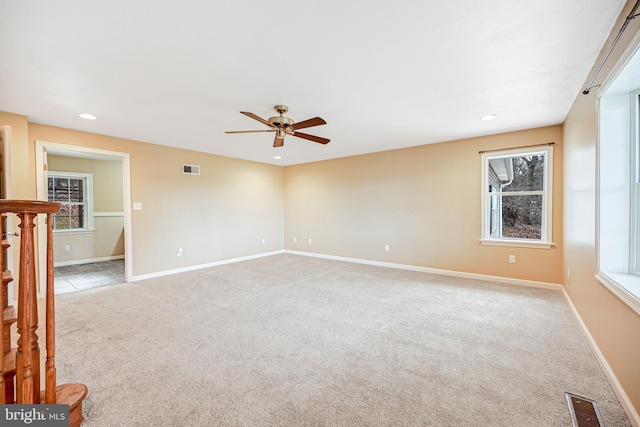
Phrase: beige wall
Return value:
(107, 179)
(613, 325)
(106, 240)
(223, 213)
(423, 201)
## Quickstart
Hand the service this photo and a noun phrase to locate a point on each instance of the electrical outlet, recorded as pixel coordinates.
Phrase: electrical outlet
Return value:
(264, 241)
(309, 240)
(67, 248)
(387, 248)
(295, 239)
(179, 252)
(512, 259)
(568, 271)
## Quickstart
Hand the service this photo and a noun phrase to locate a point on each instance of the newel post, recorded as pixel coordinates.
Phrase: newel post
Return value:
(28, 354)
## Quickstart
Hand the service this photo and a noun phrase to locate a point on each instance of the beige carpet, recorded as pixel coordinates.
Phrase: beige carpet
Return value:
(296, 341)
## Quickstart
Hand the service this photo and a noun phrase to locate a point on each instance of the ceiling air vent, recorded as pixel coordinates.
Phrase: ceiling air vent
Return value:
(191, 169)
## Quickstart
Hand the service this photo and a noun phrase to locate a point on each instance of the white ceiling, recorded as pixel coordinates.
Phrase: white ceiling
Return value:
(383, 74)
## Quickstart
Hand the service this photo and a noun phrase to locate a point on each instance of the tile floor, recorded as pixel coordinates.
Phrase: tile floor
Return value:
(71, 278)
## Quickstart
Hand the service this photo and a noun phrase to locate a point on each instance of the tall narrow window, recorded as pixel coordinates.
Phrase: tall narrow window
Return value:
(516, 208)
(618, 187)
(635, 167)
(73, 191)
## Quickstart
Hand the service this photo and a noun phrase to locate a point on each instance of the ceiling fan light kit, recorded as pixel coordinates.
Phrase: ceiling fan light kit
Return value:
(283, 126)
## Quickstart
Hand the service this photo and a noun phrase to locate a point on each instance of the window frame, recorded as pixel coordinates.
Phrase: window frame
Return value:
(88, 199)
(546, 232)
(618, 164)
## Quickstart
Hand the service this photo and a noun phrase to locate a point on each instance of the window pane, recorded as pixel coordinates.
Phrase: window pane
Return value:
(517, 173)
(61, 223)
(637, 143)
(50, 189)
(61, 220)
(516, 217)
(65, 209)
(76, 191)
(61, 189)
(77, 216)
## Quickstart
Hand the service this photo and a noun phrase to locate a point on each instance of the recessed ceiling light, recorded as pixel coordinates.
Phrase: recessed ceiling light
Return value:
(277, 157)
(489, 117)
(87, 116)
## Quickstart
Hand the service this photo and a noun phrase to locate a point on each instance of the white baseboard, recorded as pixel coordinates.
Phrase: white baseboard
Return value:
(632, 413)
(88, 260)
(201, 266)
(484, 277)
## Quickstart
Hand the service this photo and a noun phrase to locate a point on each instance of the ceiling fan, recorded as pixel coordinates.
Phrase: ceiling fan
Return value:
(283, 126)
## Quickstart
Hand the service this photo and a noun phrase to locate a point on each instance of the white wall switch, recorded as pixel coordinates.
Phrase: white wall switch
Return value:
(137, 206)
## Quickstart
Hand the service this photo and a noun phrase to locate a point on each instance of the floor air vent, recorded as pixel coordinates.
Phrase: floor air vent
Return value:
(191, 169)
(584, 412)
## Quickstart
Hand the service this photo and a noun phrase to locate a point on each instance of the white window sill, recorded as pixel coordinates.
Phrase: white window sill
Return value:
(518, 243)
(76, 231)
(625, 286)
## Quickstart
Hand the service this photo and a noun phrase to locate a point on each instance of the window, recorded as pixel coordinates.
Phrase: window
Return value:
(516, 201)
(73, 191)
(618, 191)
(635, 196)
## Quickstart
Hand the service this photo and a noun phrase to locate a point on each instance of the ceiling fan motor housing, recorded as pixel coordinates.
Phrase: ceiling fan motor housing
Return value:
(280, 121)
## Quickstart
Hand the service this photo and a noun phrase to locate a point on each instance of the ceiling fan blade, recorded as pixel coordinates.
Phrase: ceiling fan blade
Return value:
(316, 121)
(279, 141)
(249, 131)
(313, 138)
(260, 119)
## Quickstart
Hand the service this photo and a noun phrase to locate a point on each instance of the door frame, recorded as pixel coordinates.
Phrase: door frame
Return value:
(42, 147)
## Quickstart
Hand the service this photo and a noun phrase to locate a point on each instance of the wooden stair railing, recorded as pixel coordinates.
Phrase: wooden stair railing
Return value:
(20, 368)
(7, 355)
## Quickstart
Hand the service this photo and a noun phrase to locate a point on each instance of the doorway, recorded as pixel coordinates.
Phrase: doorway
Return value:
(92, 237)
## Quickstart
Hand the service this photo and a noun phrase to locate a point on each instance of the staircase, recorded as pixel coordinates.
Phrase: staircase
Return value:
(20, 366)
